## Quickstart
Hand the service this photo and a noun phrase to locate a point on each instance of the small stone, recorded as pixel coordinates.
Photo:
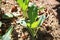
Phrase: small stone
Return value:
(40, 13)
(19, 35)
(16, 14)
(17, 31)
(26, 33)
(24, 36)
(14, 8)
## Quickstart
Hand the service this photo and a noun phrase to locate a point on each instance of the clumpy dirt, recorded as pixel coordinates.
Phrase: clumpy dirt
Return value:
(50, 29)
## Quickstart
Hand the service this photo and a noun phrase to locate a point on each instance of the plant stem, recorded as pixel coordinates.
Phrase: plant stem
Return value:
(31, 33)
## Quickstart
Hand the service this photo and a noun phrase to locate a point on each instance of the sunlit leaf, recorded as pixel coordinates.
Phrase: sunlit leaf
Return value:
(35, 24)
(24, 5)
(20, 2)
(39, 22)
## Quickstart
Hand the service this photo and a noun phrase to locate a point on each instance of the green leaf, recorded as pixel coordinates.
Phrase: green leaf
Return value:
(7, 35)
(0, 23)
(24, 5)
(26, 2)
(32, 13)
(7, 16)
(20, 2)
(28, 24)
(39, 22)
(34, 24)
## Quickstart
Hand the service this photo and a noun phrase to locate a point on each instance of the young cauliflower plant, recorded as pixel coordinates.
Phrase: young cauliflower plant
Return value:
(32, 13)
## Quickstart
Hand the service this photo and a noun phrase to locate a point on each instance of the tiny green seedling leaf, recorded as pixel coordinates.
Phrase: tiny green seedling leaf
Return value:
(7, 16)
(7, 35)
(24, 5)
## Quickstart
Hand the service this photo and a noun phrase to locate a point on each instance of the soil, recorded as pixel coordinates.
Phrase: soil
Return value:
(50, 29)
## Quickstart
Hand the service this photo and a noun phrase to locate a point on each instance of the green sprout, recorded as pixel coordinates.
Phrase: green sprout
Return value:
(33, 24)
(24, 5)
(32, 14)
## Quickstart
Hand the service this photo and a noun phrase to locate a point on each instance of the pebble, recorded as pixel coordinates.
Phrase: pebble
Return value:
(19, 36)
(14, 8)
(26, 33)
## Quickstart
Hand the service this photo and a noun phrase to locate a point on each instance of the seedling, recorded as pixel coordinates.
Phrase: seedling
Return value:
(33, 24)
(7, 16)
(24, 5)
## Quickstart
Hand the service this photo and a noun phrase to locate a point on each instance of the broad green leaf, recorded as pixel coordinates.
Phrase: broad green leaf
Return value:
(24, 7)
(0, 23)
(7, 16)
(39, 22)
(32, 13)
(7, 35)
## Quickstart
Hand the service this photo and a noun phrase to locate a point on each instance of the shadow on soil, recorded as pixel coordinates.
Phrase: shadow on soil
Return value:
(58, 10)
(43, 35)
(58, 0)
(15, 35)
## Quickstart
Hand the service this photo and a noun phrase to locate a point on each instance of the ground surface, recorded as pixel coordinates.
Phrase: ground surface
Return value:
(50, 29)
